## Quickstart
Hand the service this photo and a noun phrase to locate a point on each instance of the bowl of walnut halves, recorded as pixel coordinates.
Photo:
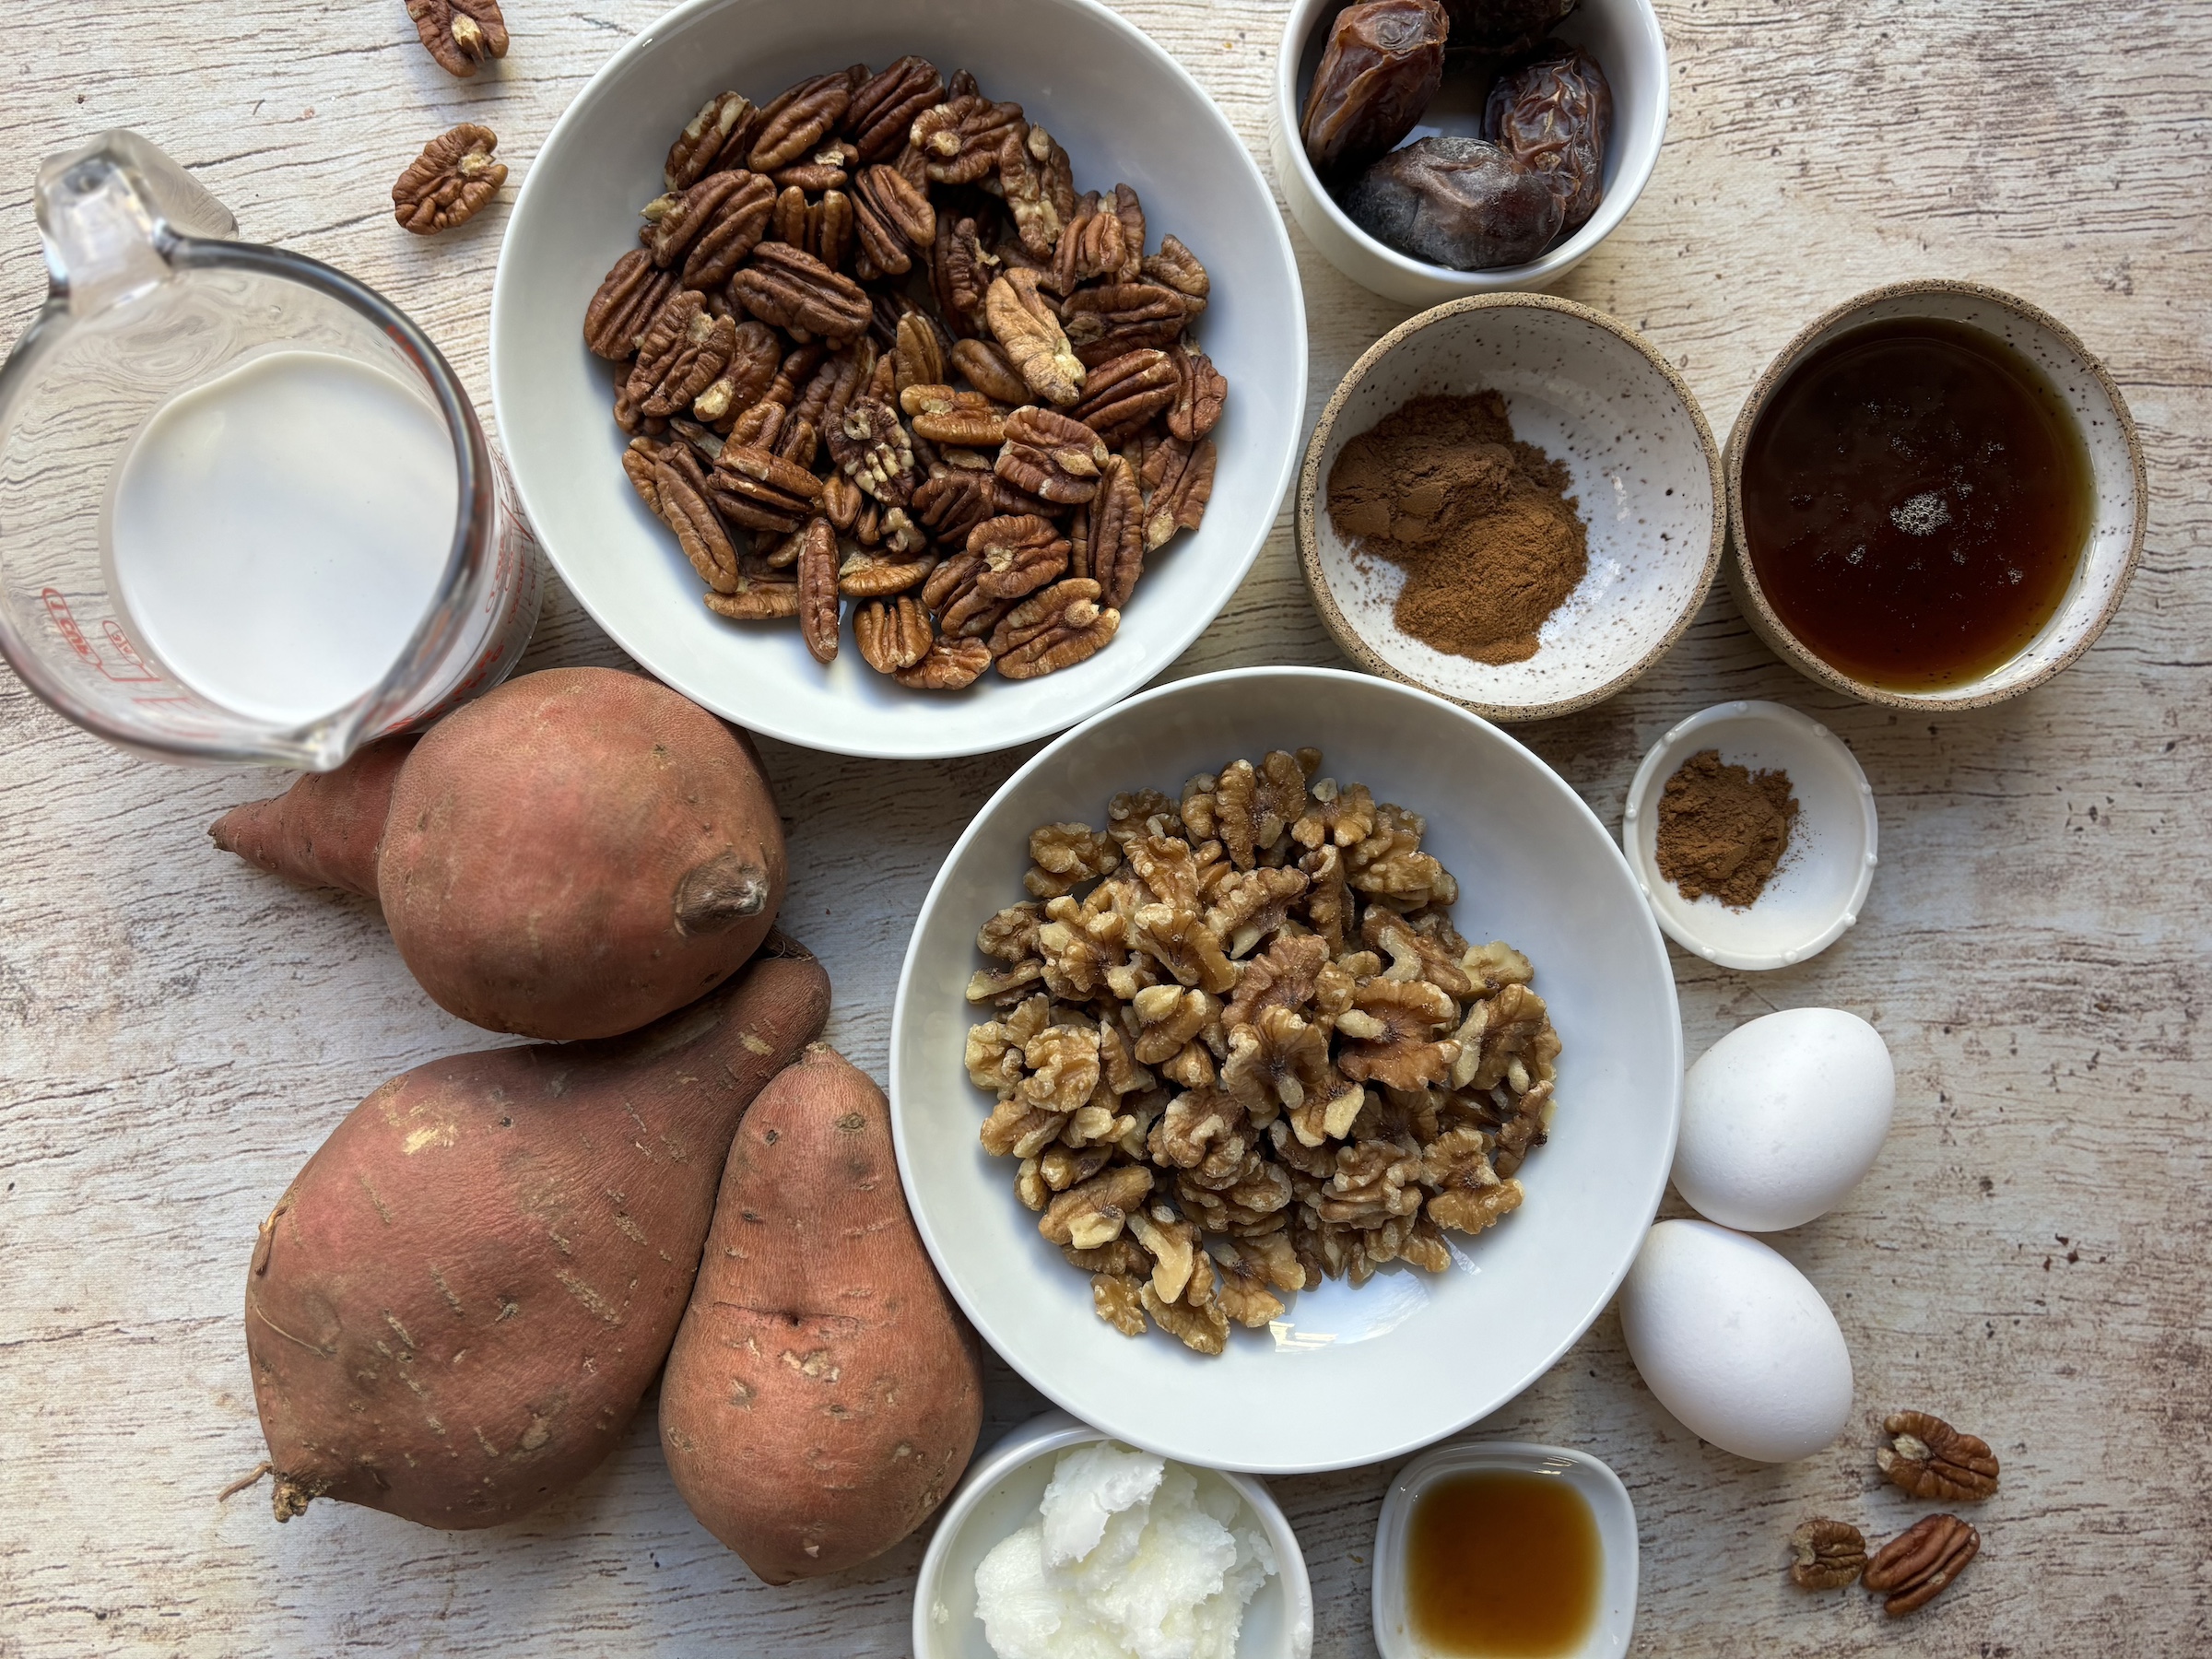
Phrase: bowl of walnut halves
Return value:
(1285, 1069)
(899, 381)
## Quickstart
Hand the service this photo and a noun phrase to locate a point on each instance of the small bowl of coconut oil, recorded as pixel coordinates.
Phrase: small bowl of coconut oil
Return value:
(1059, 1530)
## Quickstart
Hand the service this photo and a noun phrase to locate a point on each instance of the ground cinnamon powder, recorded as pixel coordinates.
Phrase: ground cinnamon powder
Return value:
(1724, 829)
(1480, 522)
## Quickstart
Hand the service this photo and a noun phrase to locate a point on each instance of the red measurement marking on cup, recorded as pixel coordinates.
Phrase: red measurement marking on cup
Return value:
(121, 643)
(57, 612)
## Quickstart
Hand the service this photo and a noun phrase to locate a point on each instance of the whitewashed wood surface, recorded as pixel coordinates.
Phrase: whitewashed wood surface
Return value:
(2033, 1255)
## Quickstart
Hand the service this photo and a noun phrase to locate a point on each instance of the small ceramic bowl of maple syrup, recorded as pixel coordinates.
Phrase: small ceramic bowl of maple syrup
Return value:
(1936, 498)
(1500, 1547)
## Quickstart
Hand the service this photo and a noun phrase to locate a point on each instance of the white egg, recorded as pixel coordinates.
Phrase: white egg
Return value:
(1781, 1117)
(1735, 1342)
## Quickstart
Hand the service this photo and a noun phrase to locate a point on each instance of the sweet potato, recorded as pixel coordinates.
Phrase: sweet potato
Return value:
(323, 830)
(573, 854)
(455, 1309)
(824, 1394)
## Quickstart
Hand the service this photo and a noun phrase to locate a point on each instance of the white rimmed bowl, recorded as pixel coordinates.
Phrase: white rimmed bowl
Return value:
(1535, 867)
(1623, 35)
(1600, 1488)
(1819, 888)
(1000, 1495)
(1592, 392)
(2117, 480)
(1125, 112)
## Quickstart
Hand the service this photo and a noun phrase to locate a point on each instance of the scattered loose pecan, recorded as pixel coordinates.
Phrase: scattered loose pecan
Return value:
(455, 176)
(1930, 1459)
(460, 33)
(1919, 1564)
(1829, 1554)
(1109, 536)
(1051, 455)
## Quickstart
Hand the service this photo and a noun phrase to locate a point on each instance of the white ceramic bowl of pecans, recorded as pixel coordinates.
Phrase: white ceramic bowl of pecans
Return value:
(1338, 1373)
(1121, 112)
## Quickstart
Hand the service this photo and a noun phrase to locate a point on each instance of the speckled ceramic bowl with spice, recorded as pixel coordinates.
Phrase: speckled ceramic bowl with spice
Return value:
(1594, 395)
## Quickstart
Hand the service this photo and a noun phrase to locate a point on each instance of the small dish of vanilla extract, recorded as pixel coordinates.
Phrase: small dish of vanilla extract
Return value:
(1916, 500)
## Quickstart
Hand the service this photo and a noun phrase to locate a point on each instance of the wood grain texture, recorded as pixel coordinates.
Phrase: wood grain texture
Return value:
(2031, 1256)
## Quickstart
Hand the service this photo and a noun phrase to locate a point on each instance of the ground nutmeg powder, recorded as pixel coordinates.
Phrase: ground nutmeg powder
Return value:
(1722, 829)
(1480, 522)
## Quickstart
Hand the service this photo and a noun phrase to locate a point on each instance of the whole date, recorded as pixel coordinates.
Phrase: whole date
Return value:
(1462, 203)
(1383, 62)
(1555, 112)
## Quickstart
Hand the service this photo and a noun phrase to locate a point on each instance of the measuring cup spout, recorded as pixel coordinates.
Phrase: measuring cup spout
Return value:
(110, 215)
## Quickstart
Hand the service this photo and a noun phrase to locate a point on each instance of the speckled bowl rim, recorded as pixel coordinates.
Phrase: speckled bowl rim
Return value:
(1744, 580)
(1355, 646)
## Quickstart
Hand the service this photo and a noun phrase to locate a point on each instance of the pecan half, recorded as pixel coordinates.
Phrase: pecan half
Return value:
(681, 484)
(1034, 177)
(965, 419)
(894, 218)
(1176, 267)
(1919, 1564)
(791, 289)
(883, 111)
(445, 185)
(1125, 393)
(949, 666)
(1104, 322)
(1053, 629)
(1090, 245)
(756, 352)
(821, 229)
(1131, 212)
(682, 352)
(1022, 320)
(873, 448)
(917, 354)
(714, 225)
(1200, 392)
(761, 490)
(951, 504)
(628, 296)
(1930, 1459)
(1109, 536)
(799, 120)
(1019, 555)
(723, 122)
(960, 273)
(1829, 1554)
(817, 589)
(876, 574)
(757, 599)
(460, 33)
(960, 139)
(989, 371)
(829, 167)
(1181, 477)
(892, 633)
(1051, 455)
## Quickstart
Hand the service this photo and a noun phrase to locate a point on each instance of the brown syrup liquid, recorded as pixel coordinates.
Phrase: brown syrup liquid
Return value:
(1503, 1564)
(1917, 498)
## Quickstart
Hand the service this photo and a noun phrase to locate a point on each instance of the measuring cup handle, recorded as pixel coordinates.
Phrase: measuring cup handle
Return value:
(109, 214)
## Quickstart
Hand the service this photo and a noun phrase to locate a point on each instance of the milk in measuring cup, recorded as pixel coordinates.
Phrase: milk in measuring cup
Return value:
(276, 535)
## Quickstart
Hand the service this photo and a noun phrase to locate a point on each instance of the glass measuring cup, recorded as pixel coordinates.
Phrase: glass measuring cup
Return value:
(148, 300)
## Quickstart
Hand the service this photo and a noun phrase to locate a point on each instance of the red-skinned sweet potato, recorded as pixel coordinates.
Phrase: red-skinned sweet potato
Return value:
(454, 1310)
(573, 854)
(325, 830)
(824, 1394)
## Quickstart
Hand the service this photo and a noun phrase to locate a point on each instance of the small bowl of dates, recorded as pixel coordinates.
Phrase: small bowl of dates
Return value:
(1436, 149)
